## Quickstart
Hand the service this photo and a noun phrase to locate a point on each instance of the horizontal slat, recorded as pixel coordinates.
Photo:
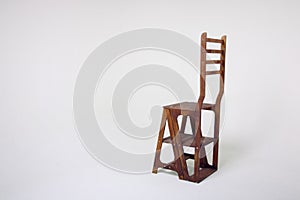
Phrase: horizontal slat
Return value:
(208, 106)
(214, 51)
(214, 61)
(214, 40)
(212, 72)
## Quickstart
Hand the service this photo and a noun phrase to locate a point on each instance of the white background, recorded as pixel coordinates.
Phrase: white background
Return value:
(43, 45)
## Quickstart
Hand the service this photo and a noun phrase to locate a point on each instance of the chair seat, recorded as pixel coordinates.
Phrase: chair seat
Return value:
(189, 106)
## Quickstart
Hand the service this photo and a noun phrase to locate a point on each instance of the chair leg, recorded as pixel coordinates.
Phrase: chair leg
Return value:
(216, 154)
(216, 135)
(159, 142)
(183, 124)
(174, 129)
(197, 122)
(203, 155)
(192, 121)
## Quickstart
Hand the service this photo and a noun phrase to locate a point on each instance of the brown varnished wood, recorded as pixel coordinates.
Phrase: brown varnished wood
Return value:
(178, 142)
(159, 142)
(218, 105)
(188, 108)
(183, 124)
(192, 110)
(214, 61)
(189, 140)
(213, 72)
(204, 141)
(214, 40)
(214, 51)
(172, 131)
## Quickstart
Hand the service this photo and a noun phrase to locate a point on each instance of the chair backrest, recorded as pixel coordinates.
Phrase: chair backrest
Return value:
(204, 62)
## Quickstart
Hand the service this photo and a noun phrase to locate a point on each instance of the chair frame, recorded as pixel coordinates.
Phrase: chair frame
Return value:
(178, 139)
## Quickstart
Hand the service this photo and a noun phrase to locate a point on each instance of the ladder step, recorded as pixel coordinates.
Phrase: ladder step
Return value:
(214, 51)
(214, 61)
(212, 72)
(214, 40)
(188, 140)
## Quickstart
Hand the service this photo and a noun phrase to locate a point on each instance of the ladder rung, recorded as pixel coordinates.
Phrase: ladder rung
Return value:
(214, 51)
(214, 40)
(212, 72)
(214, 61)
(189, 140)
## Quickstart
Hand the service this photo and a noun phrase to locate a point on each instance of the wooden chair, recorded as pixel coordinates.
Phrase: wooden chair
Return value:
(178, 138)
